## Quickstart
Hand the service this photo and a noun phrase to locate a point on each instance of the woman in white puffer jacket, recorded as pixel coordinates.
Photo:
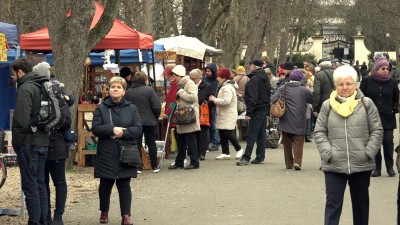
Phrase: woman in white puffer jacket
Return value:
(226, 111)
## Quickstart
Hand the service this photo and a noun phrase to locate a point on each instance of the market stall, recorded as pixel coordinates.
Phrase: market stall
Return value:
(120, 37)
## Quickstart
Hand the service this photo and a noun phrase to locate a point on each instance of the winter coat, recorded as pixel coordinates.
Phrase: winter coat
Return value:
(187, 96)
(257, 93)
(297, 97)
(395, 73)
(213, 79)
(26, 112)
(226, 102)
(385, 97)
(241, 81)
(171, 97)
(58, 145)
(147, 102)
(349, 145)
(124, 114)
(323, 87)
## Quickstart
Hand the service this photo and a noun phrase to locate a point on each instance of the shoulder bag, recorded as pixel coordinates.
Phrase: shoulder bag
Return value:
(184, 115)
(129, 153)
(279, 107)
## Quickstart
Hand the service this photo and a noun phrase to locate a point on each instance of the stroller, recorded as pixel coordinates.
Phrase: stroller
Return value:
(274, 135)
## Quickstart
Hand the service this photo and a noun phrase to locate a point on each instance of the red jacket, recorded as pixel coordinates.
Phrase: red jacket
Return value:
(171, 97)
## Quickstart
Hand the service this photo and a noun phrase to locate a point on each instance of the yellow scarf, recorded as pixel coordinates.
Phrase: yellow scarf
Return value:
(346, 108)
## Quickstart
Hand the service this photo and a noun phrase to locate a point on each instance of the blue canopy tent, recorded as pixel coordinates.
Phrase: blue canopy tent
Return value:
(11, 32)
(7, 92)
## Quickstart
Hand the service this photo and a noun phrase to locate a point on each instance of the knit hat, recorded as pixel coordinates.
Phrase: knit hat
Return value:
(125, 71)
(281, 71)
(288, 66)
(240, 69)
(168, 71)
(42, 68)
(179, 70)
(296, 75)
(380, 62)
(257, 62)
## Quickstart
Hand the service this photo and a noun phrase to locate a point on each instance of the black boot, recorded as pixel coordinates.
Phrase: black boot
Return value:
(376, 173)
(391, 172)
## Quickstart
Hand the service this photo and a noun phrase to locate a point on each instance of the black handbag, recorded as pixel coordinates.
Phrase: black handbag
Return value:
(129, 153)
(129, 156)
(184, 115)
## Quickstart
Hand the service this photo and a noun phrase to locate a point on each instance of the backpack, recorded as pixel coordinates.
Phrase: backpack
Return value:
(54, 111)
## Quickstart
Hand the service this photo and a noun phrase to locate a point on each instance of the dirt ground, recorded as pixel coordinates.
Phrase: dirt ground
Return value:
(218, 193)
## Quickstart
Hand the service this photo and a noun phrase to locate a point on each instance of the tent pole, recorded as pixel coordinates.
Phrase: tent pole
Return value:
(117, 56)
(154, 68)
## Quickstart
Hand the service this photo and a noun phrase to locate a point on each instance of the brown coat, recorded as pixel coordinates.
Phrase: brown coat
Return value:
(187, 95)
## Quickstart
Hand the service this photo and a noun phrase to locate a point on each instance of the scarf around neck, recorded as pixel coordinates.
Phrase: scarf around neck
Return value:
(346, 108)
(380, 78)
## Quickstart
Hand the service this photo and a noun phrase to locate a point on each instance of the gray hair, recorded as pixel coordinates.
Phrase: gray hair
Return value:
(196, 73)
(42, 68)
(344, 72)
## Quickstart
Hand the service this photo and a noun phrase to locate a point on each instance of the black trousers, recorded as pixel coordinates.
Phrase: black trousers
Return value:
(388, 148)
(228, 135)
(256, 132)
(56, 169)
(203, 138)
(398, 203)
(149, 133)
(335, 185)
(189, 141)
(124, 191)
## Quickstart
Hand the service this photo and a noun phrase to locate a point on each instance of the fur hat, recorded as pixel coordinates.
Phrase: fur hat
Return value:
(257, 62)
(125, 71)
(380, 62)
(179, 70)
(42, 68)
(288, 66)
(296, 75)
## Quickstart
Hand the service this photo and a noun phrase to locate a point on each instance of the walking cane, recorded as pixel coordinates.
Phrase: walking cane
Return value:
(173, 106)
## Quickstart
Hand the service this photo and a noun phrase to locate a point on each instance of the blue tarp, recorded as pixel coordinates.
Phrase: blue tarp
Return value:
(11, 32)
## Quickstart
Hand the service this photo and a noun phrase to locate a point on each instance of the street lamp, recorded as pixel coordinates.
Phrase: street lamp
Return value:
(387, 35)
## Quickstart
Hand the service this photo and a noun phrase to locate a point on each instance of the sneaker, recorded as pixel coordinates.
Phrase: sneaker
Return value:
(239, 153)
(223, 156)
(139, 172)
(156, 170)
(191, 167)
(296, 166)
(257, 161)
(242, 162)
(202, 157)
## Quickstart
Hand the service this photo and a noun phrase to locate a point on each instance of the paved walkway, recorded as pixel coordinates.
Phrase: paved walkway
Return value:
(222, 193)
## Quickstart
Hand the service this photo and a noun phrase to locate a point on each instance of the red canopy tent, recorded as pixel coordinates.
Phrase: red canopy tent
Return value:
(120, 37)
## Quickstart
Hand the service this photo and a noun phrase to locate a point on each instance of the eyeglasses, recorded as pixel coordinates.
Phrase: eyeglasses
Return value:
(345, 84)
(384, 68)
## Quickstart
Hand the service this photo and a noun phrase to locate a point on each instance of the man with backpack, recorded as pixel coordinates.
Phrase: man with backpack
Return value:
(29, 142)
(58, 150)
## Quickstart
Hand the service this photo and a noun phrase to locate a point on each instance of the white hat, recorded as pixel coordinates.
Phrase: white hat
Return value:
(179, 70)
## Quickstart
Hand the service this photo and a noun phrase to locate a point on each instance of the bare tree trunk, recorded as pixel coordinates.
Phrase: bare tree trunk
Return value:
(194, 17)
(72, 41)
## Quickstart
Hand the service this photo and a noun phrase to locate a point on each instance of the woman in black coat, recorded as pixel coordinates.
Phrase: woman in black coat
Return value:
(384, 92)
(123, 129)
(203, 137)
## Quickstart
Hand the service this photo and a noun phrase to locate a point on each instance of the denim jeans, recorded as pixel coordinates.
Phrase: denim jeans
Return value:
(214, 134)
(256, 132)
(32, 161)
(56, 169)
